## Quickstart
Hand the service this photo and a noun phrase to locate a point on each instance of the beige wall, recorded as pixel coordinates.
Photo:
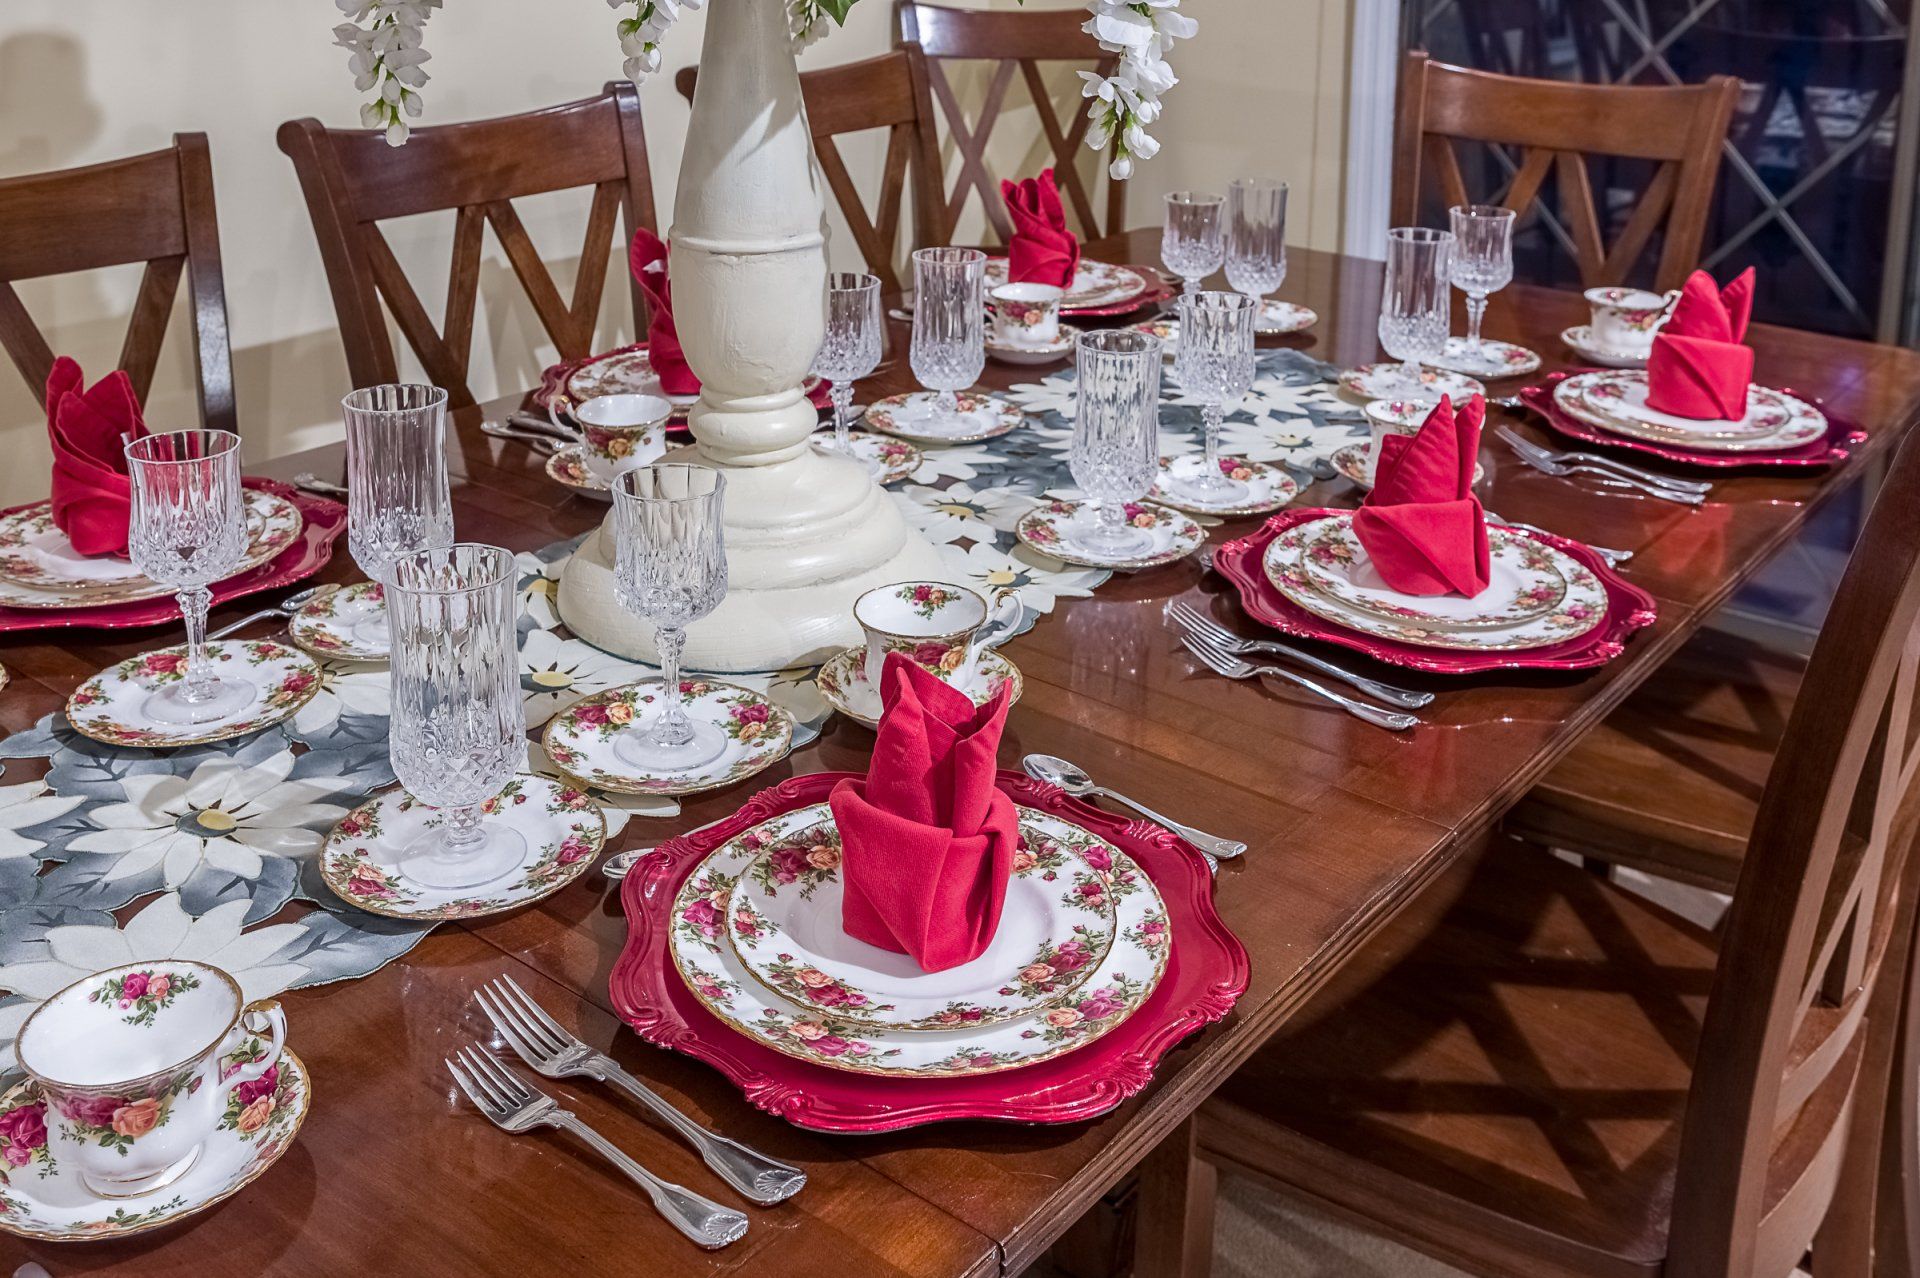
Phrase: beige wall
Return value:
(88, 80)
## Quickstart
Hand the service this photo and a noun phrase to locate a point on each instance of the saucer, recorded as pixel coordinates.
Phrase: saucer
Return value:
(581, 740)
(110, 706)
(1166, 328)
(568, 467)
(1007, 353)
(843, 684)
(325, 627)
(1267, 487)
(1283, 317)
(361, 860)
(44, 1197)
(1495, 359)
(1350, 463)
(1050, 530)
(1580, 339)
(982, 417)
(889, 460)
(1382, 381)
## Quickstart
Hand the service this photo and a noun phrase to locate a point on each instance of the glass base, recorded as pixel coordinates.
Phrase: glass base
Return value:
(636, 747)
(225, 698)
(1212, 490)
(432, 862)
(1124, 542)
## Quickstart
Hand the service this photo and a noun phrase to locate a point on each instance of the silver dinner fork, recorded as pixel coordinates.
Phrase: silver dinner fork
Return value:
(1193, 622)
(514, 1107)
(1521, 444)
(1532, 457)
(1225, 663)
(545, 1044)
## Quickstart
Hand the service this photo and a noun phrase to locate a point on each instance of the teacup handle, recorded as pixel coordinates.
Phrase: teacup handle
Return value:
(260, 1019)
(1002, 620)
(1673, 295)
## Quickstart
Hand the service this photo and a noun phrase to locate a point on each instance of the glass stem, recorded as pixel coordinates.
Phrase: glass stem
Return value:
(1410, 374)
(1476, 311)
(1210, 417)
(842, 408)
(463, 828)
(1112, 517)
(672, 727)
(200, 677)
(946, 403)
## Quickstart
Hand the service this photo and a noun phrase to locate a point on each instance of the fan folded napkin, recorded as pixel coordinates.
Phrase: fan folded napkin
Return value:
(927, 839)
(1421, 525)
(89, 429)
(1043, 250)
(1700, 366)
(647, 258)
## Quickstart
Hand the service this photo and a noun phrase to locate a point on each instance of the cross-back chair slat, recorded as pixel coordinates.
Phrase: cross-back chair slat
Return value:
(353, 181)
(156, 208)
(1016, 43)
(887, 92)
(1554, 126)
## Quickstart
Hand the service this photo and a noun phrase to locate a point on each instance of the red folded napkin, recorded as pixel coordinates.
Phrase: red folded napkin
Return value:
(1043, 250)
(927, 840)
(647, 258)
(89, 429)
(1422, 526)
(1700, 366)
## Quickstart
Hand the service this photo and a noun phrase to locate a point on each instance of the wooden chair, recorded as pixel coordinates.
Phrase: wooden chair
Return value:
(1535, 1088)
(155, 208)
(353, 180)
(1013, 42)
(1554, 125)
(888, 92)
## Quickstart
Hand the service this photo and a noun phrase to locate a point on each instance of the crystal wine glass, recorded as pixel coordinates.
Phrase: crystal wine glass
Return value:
(852, 348)
(1191, 242)
(1256, 238)
(1482, 264)
(1116, 434)
(397, 496)
(1215, 362)
(188, 528)
(458, 733)
(1414, 305)
(949, 329)
(670, 568)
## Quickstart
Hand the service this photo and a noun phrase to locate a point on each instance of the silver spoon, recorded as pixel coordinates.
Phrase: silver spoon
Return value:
(283, 610)
(1069, 777)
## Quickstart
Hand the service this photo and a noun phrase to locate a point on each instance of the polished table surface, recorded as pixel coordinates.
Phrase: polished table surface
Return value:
(1348, 826)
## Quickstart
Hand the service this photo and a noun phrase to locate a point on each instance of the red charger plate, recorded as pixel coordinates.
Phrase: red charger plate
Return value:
(1628, 609)
(1206, 973)
(322, 522)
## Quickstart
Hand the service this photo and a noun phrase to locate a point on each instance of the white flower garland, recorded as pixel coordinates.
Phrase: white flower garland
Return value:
(386, 54)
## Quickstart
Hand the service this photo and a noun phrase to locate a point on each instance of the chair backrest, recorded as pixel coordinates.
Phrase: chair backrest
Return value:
(155, 208)
(1553, 126)
(888, 92)
(353, 180)
(1780, 1060)
(1015, 42)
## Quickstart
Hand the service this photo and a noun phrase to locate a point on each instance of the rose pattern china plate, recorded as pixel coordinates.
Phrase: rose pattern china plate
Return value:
(41, 1195)
(1278, 317)
(1524, 581)
(1493, 359)
(1118, 984)
(1581, 341)
(889, 460)
(363, 863)
(1268, 487)
(1831, 447)
(1617, 402)
(110, 706)
(568, 468)
(1350, 463)
(982, 417)
(1056, 928)
(1382, 381)
(581, 741)
(325, 625)
(1050, 530)
(1096, 286)
(843, 683)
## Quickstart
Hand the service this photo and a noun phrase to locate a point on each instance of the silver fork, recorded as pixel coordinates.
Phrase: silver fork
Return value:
(1193, 622)
(1225, 663)
(1521, 443)
(1607, 478)
(283, 610)
(513, 1106)
(544, 1044)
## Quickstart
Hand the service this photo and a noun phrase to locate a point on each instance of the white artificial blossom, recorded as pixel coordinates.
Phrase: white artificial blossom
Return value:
(641, 34)
(383, 39)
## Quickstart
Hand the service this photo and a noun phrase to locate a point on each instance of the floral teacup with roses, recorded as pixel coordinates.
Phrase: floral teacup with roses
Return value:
(1027, 315)
(622, 432)
(136, 1064)
(1626, 319)
(941, 627)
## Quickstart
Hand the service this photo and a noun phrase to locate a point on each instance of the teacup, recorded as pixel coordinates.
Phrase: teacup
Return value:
(140, 1064)
(622, 432)
(1393, 417)
(942, 628)
(1027, 314)
(1625, 319)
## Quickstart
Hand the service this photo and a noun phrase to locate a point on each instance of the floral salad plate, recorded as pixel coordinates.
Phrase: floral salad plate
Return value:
(1053, 529)
(1492, 359)
(1262, 487)
(704, 952)
(887, 459)
(1350, 463)
(1616, 401)
(1583, 607)
(110, 707)
(1056, 927)
(910, 416)
(1382, 381)
(42, 1195)
(581, 740)
(1524, 581)
(34, 552)
(1276, 316)
(1095, 285)
(326, 626)
(363, 860)
(843, 683)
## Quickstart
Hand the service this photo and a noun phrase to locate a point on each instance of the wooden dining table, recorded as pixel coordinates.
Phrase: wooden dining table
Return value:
(1350, 829)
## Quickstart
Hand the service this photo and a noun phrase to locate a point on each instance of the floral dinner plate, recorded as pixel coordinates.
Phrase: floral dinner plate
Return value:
(1119, 983)
(910, 417)
(1616, 401)
(1056, 926)
(110, 706)
(581, 740)
(1523, 582)
(1095, 286)
(843, 684)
